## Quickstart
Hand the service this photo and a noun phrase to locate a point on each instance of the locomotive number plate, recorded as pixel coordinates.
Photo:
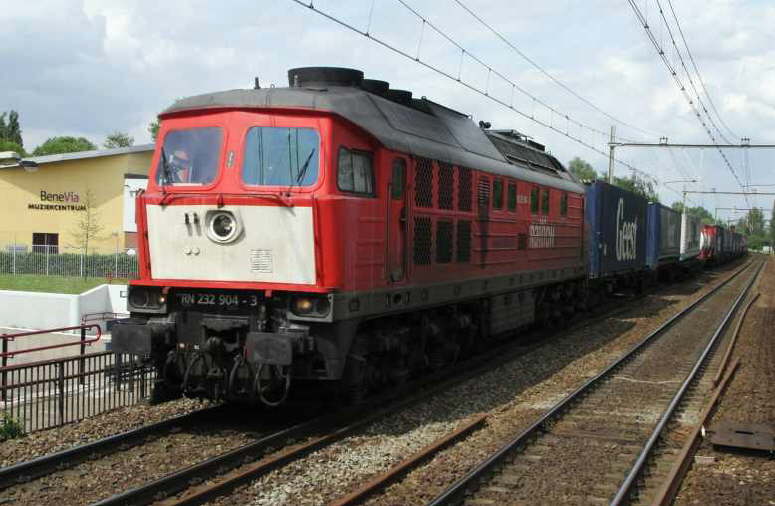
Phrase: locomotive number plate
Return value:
(217, 299)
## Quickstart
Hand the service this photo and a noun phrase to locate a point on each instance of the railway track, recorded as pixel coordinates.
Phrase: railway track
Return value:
(226, 472)
(229, 469)
(604, 443)
(46, 464)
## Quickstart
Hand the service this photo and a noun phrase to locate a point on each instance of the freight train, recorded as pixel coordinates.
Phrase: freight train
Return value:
(344, 233)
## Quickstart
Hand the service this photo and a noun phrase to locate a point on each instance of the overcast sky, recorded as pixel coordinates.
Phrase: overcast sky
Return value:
(93, 66)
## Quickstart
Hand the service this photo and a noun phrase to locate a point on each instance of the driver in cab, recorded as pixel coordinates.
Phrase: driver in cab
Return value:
(180, 167)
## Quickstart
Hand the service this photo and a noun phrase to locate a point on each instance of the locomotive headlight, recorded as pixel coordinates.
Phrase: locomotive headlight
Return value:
(139, 297)
(303, 306)
(222, 226)
(322, 307)
(146, 298)
(313, 306)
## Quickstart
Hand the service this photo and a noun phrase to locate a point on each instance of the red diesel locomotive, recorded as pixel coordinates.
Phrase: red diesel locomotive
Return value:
(340, 231)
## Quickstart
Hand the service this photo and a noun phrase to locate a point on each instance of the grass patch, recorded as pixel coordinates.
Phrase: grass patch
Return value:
(52, 284)
(10, 427)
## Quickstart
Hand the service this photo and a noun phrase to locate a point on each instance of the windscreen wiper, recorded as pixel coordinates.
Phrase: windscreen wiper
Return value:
(166, 175)
(303, 170)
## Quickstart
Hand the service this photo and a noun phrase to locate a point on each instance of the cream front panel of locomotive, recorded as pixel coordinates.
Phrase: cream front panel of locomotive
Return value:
(232, 243)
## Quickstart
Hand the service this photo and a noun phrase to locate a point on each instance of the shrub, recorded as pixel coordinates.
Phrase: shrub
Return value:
(10, 427)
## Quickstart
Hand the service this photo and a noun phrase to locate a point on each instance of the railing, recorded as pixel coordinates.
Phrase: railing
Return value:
(17, 259)
(50, 393)
(41, 395)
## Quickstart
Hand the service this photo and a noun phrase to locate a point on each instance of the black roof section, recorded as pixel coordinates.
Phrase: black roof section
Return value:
(422, 128)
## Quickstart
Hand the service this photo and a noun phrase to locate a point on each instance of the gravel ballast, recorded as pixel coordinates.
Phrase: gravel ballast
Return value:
(740, 479)
(513, 394)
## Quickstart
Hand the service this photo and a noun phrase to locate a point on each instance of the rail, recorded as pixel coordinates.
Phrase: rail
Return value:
(625, 489)
(458, 488)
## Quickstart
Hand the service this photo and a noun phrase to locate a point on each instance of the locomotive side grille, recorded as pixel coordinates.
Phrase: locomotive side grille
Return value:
(463, 189)
(463, 241)
(444, 231)
(483, 198)
(446, 185)
(422, 241)
(423, 183)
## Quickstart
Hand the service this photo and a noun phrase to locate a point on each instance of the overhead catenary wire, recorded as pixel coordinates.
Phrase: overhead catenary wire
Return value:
(547, 74)
(674, 73)
(485, 93)
(697, 71)
(490, 70)
(681, 60)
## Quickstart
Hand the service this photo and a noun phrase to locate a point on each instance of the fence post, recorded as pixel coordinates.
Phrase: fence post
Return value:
(4, 379)
(14, 256)
(81, 362)
(61, 392)
(117, 367)
(47, 249)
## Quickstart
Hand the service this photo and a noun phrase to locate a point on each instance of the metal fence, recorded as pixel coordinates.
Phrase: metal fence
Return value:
(44, 394)
(18, 259)
(48, 394)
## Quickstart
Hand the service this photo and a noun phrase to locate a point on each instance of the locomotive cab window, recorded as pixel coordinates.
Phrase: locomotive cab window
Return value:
(497, 194)
(534, 200)
(511, 197)
(189, 157)
(355, 173)
(564, 204)
(277, 156)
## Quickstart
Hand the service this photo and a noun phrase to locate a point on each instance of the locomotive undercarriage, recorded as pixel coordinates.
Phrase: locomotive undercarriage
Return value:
(258, 356)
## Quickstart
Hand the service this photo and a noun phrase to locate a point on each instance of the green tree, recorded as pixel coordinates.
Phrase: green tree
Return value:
(756, 221)
(772, 225)
(582, 170)
(638, 186)
(153, 129)
(56, 145)
(118, 140)
(88, 227)
(698, 211)
(6, 145)
(11, 130)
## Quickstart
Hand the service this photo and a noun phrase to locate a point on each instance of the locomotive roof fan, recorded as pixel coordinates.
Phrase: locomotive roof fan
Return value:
(376, 87)
(323, 77)
(402, 97)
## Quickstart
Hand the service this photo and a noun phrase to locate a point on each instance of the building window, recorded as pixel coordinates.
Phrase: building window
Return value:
(511, 198)
(497, 194)
(534, 200)
(564, 204)
(355, 172)
(545, 202)
(45, 243)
